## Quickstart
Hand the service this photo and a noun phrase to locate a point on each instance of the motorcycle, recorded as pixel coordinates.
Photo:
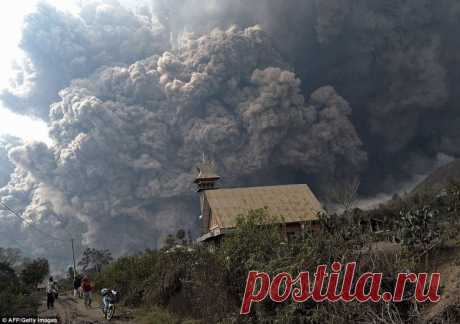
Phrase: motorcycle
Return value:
(111, 297)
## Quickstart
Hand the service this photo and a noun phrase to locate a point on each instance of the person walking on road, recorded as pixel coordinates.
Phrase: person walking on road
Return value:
(86, 288)
(77, 286)
(51, 292)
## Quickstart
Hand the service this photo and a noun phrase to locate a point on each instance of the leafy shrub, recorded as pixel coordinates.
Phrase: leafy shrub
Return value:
(14, 299)
(128, 275)
(34, 272)
(156, 315)
(193, 281)
(256, 241)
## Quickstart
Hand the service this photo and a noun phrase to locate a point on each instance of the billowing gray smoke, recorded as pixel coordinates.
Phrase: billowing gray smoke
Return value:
(127, 138)
(61, 47)
(6, 166)
(394, 61)
(134, 99)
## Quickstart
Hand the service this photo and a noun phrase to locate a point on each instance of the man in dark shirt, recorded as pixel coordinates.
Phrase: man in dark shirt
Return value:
(76, 286)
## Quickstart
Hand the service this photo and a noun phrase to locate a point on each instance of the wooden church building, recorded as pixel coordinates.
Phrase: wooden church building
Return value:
(220, 207)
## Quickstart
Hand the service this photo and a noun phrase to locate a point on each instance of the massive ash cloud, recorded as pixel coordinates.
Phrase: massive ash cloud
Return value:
(134, 99)
(61, 47)
(394, 61)
(127, 139)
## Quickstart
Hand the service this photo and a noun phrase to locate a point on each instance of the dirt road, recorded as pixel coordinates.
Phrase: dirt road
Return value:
(70, 310)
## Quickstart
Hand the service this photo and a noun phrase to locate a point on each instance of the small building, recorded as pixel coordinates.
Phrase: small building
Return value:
(220, 207)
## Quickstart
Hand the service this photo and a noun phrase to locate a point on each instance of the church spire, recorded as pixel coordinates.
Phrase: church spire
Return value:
(207, 176)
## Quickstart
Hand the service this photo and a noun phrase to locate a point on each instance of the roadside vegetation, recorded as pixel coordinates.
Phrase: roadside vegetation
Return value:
(185, 283)
(19, 280)
(189, 283)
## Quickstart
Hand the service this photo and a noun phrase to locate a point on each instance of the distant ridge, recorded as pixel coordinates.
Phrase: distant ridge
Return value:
(439, 178)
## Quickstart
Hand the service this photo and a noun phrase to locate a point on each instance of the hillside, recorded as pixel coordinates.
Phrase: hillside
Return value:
(439, 179)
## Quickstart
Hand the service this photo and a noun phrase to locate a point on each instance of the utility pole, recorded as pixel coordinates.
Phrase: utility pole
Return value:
(74, 266)
(44, 233)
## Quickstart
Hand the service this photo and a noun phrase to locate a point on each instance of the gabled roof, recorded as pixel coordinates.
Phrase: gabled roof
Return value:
(295, 203)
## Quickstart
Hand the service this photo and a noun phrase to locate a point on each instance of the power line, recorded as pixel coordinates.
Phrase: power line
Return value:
(30, 224)
(45, 233)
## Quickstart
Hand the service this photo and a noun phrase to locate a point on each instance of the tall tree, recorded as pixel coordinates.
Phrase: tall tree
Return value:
(10, 256)
(93, 260)
(35, 272)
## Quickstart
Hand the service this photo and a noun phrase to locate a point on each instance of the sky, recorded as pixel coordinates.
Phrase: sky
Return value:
(11, 17)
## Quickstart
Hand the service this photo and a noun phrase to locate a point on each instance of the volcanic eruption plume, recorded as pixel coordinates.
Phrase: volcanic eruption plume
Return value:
(274, 92)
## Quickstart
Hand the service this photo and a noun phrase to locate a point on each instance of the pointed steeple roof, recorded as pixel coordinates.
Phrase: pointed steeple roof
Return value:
(206, 171)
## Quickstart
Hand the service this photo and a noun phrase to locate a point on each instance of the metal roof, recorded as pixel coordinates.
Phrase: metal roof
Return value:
(295, 203)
